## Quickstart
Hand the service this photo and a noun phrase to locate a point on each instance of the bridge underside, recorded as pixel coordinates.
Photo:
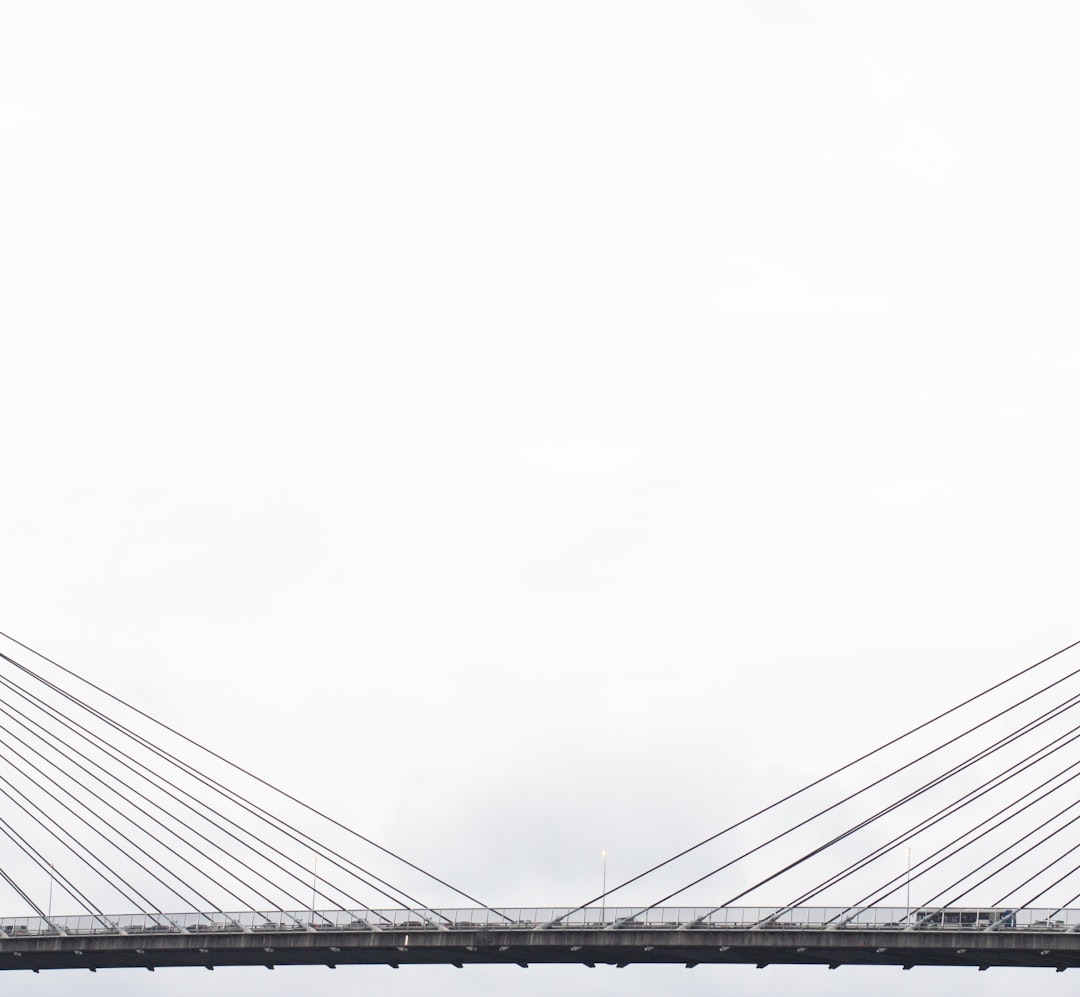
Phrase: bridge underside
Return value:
(979, 949)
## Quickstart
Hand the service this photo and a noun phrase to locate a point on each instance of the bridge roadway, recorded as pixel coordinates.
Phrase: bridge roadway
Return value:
(589, 946)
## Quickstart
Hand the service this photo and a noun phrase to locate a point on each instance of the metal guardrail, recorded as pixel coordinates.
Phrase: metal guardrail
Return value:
(554, 919)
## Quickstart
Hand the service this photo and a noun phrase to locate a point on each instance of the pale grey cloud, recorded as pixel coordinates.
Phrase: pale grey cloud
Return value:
(472, 416)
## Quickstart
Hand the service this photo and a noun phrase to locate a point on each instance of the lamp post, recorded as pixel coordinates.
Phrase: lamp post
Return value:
(603, 890)
(909, 885)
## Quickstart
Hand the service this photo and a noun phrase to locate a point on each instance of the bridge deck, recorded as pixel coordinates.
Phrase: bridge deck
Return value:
(1052, 949)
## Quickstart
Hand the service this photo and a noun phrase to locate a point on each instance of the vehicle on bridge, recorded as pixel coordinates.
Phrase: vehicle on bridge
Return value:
(965, 918)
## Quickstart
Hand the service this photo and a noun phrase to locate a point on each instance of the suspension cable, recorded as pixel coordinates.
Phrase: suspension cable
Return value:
(112, 827)
(817, 782)
(232, 795)
(39, 860)
(87, 862)
(1024, 728)
(944, 813)
(976, 833)
(244, 771)
(112, 751)
(15, 886)
(131, 789)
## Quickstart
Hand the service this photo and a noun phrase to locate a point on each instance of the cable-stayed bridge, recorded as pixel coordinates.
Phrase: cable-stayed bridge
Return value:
(687, 936)
(211, 865)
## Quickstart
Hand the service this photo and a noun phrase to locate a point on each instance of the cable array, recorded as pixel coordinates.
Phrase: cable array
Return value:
(115, 809)
(112, 815)
(992, 773)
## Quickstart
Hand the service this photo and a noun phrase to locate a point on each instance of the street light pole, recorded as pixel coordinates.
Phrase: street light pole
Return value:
(603, 891)
(909, 885)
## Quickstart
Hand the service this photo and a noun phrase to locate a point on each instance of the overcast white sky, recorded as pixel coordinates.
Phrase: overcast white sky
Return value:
(533, 429)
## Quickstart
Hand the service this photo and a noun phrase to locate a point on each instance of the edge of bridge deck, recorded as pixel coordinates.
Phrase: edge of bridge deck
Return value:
(589, 947)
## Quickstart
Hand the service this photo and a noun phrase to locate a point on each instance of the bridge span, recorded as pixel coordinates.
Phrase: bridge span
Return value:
(165, 822)
(590, 938)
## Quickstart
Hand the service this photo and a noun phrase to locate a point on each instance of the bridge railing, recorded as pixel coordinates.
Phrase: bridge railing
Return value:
(554, 919)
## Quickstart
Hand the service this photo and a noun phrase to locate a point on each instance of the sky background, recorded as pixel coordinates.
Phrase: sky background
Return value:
(527, 430)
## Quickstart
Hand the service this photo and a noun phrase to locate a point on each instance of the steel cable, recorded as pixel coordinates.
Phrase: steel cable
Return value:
(251, 775)
(944, 813)
(38, 859)
(111, 750)
(156, 821)
(112, 827)
(978, 756)
(29, 723)
(817, 782)
(89, 863)
(238, 799)
(976, 833)
(129, 762)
